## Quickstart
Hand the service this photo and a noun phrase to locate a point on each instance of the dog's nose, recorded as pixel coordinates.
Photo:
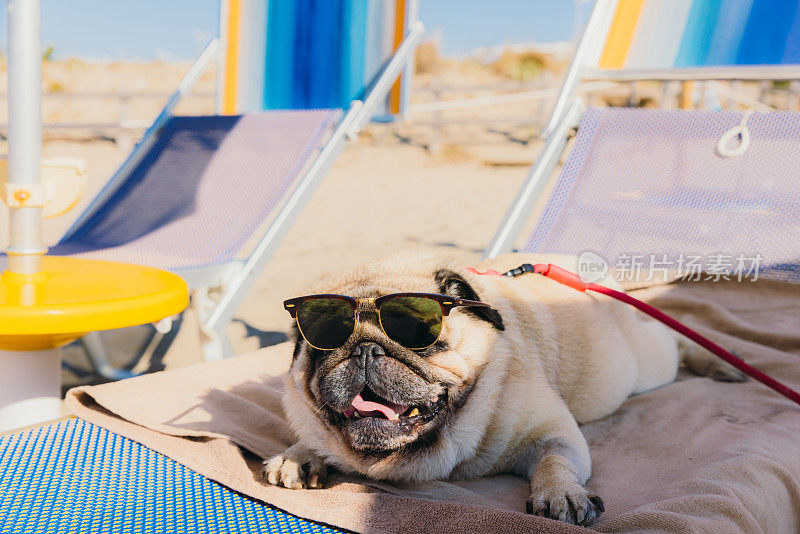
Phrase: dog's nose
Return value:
(368, 349)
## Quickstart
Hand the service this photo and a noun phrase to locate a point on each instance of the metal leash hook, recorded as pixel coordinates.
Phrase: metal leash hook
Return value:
(739, 132)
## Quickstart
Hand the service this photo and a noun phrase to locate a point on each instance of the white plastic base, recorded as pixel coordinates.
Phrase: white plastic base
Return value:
(30, 387)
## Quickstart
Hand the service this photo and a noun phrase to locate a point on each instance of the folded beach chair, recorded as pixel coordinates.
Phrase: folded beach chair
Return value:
(196, 190)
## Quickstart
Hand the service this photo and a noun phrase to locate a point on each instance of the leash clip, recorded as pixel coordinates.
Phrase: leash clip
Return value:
(519, 271)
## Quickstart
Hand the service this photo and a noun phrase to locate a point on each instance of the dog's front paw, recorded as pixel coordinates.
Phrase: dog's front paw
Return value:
(570, 503)
(296, 468)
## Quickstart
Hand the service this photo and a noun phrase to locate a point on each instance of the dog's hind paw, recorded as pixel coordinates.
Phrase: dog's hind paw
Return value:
(296, 468)
(704, 363)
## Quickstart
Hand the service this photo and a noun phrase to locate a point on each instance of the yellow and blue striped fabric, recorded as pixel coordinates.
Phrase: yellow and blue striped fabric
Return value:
(76, 477)
(665, 34)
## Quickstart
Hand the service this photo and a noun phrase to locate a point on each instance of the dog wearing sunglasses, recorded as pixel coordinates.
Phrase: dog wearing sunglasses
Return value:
(413, 368)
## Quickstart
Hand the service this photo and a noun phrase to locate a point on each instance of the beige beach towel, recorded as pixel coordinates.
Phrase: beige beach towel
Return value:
(693, 456)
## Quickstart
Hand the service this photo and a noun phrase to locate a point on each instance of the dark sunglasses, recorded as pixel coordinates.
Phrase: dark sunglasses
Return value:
(413, 320)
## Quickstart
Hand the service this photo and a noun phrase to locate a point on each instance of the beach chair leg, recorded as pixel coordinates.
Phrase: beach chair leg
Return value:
(98, 357)
(215, 343)
(216, 346)
(161, 343)
(156, 344)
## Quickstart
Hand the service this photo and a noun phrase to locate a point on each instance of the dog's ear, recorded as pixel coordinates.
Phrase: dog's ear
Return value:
(453, 284)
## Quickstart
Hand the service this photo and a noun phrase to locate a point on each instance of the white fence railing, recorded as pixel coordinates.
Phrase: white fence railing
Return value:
(122, 110)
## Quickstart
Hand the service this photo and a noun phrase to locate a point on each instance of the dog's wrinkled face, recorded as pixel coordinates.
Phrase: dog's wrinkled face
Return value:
(375, 395)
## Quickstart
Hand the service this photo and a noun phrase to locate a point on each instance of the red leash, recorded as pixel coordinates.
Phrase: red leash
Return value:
(572, 280)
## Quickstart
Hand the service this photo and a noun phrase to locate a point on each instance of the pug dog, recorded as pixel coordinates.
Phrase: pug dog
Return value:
(497, 381)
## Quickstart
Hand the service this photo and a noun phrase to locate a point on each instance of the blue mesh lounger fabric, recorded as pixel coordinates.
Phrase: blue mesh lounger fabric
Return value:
(642, 182)
(202, 189)
(77, 477)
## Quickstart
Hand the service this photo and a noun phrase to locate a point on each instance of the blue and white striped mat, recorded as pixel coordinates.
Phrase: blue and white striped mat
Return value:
(77, 477)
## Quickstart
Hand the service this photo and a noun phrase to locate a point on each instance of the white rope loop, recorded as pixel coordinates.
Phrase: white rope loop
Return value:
(739, 132)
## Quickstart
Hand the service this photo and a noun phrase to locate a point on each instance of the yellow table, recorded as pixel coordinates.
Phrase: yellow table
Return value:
(41, 312)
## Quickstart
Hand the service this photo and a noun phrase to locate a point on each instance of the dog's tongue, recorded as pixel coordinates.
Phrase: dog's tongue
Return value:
(391, 411)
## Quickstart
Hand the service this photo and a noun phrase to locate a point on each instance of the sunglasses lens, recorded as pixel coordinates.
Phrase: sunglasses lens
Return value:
(326, 323)
(414, 322)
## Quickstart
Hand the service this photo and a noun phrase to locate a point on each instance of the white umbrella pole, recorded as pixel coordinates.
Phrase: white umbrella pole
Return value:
(25, 135)
(29, 380)
(30, 387)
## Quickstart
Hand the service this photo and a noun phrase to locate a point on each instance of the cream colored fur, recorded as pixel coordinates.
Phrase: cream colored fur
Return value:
(564, 358)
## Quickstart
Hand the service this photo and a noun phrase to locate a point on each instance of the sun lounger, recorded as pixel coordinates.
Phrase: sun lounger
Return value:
(196, 190)
(645, 188)
(708, 186)
(693, 456)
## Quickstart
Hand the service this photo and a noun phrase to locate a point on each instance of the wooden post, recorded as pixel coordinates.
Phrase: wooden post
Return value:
(686, 101)
(435, 145)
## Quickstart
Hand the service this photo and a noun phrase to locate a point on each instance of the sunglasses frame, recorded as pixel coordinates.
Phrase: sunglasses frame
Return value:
(446, 302)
